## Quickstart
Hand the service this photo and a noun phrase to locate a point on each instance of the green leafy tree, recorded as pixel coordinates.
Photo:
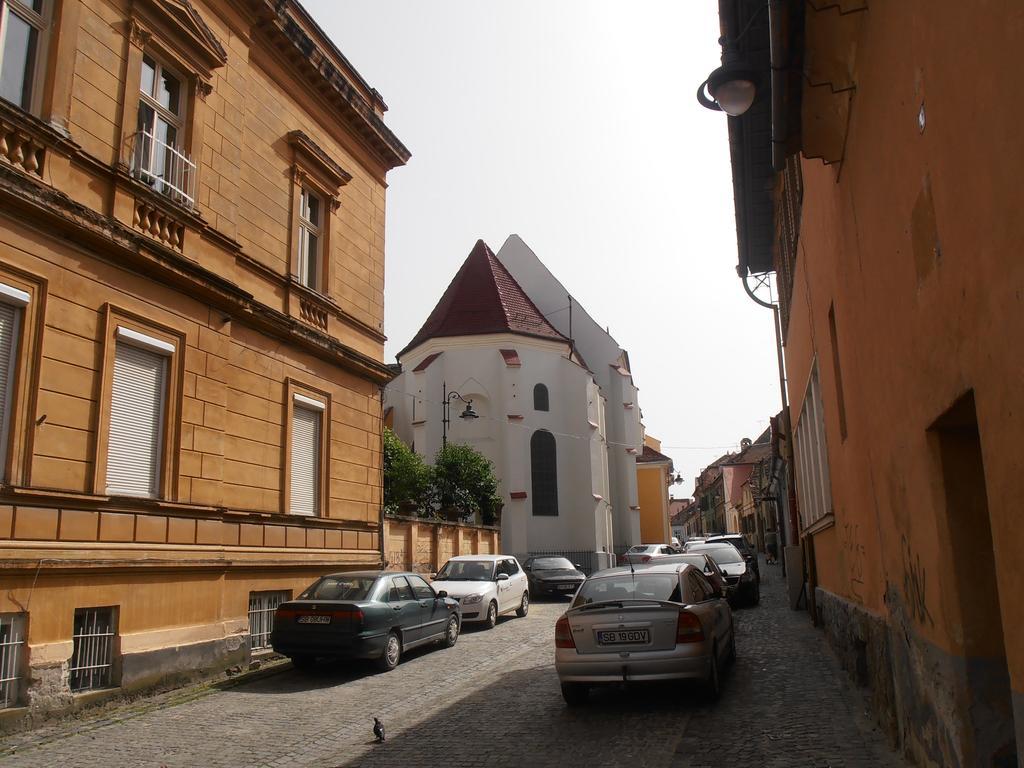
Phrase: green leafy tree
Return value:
(464, 480)
(407, 479)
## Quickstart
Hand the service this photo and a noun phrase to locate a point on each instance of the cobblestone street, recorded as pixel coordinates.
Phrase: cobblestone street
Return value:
(493, 700)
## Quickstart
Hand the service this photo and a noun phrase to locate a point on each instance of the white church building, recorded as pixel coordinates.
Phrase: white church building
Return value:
(563, 438)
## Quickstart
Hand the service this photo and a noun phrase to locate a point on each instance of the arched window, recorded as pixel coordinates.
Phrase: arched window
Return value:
(544, 471)
(540, 398)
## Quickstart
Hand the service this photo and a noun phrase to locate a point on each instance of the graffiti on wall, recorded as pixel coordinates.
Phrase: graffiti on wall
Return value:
(849, 540)
(915, 584)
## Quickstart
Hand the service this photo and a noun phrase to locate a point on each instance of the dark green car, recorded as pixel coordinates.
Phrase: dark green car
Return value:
(364, 615)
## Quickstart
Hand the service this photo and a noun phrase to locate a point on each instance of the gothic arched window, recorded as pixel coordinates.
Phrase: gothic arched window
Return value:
(544, 472)
(540, 398)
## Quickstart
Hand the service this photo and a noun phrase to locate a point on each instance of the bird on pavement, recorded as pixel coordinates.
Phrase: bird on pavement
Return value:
(378, 729)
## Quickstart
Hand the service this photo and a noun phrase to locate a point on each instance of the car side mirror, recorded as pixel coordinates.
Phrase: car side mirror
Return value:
(577, 566)
(442, 593)
(501, 577)
(433, 576)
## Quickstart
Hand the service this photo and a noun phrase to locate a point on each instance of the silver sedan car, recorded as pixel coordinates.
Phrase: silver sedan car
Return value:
(655, 622)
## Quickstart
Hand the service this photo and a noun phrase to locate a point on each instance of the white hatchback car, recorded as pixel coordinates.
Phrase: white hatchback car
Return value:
(486, 585)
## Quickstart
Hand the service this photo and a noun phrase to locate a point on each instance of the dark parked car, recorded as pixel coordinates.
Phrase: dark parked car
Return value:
(710, 568)
(364, 615)
(739, 541)
(552, 576)
(738, 573)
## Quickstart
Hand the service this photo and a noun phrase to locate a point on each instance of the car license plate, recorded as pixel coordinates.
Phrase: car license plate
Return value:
(314, 620)
(623, 636)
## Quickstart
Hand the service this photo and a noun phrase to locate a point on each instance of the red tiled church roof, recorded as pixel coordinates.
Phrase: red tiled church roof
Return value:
(483, 298)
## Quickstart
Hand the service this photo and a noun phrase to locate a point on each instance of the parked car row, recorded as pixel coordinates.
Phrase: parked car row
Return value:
(379, 615)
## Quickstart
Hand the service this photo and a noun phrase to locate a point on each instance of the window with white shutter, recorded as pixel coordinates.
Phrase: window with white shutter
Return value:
(307, 416)
(11, 301)
(137, 407)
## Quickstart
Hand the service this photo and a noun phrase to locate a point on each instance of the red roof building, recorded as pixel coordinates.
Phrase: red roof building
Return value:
(483, 298)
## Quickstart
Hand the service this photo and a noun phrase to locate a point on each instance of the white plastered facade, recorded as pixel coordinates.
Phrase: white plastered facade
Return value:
(503, 397)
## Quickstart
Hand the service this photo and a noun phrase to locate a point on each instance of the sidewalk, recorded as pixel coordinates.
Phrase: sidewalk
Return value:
(786, 703)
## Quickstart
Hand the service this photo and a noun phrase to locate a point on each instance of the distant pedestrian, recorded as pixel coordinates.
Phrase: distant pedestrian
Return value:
(771, 546)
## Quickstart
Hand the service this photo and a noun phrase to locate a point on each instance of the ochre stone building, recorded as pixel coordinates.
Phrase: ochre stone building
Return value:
(877, 175)
(191, 347)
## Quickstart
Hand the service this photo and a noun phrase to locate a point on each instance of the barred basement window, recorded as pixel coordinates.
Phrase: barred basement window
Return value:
(92, 661)
(261, 616)
(12, 657)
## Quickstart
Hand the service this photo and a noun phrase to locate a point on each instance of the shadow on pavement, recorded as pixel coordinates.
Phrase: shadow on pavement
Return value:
(521, 720)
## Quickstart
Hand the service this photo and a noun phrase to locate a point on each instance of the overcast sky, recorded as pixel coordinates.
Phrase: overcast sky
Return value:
(574, 125)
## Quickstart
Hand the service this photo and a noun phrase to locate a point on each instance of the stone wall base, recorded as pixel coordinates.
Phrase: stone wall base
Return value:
(861, 642)
(47, 693)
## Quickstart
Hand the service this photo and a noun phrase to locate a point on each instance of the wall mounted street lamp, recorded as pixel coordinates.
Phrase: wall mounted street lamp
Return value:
(446, 403)
(732, 87)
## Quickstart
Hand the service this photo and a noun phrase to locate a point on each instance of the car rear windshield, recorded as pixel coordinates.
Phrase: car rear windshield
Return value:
(551, 564)
(626, 586)
(340, 588)
(466, 570)
(643, 548)
(720, 553)
(736, 541)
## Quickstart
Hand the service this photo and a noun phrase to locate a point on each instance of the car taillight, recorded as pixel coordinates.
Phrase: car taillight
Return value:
(286, 613)
(563, 634)
(645, 559)
(688, 628)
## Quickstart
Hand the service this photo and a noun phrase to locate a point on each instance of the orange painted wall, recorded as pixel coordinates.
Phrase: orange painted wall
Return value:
(914, 239)
(652, 494)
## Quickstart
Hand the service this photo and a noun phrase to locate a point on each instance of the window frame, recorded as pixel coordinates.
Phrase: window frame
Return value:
(306, 229)
(18, 300)
(12, 672)
(541, 396)
(179, 122)
(315, 172)
(545, 471)
(181, 49)
(141, 331)
(263, 599)
(810, 444)
(42, 22)
(306, 396)
(111, 651)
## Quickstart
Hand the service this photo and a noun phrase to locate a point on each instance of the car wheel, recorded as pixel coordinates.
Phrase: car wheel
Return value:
(713, 685)
(392, 653)
(524, 607)
(492, 615)
(303, 663)
(451, 632)
(575, 694)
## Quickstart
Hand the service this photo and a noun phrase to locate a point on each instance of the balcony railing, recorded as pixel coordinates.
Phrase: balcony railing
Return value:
(164, 167)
